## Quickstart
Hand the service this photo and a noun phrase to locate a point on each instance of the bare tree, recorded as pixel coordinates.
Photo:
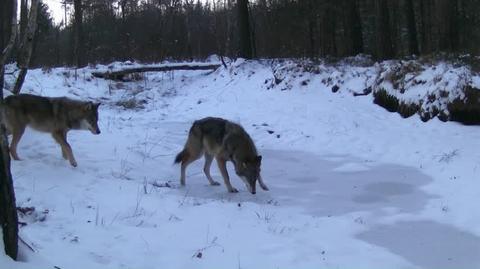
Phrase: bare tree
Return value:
(353, 27)
(78, 46)
(312, 16)
(245, 49)
(383, 31)
(8, 209)
(188, 11)
(411, 27)
(23, 16)
(327, 31)
(426, 30)
(227, 5)
(26, 46)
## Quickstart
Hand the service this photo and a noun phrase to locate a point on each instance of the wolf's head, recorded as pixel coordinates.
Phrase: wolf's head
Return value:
(90, 118)
(249, 171)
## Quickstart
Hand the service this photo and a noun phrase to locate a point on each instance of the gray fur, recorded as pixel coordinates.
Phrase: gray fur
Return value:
(225, 141)
(55, 115)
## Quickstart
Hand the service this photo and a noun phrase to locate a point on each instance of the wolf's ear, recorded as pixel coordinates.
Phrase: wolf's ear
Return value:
(259, 159)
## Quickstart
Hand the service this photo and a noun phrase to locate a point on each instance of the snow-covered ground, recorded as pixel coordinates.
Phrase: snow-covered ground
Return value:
(351, 185)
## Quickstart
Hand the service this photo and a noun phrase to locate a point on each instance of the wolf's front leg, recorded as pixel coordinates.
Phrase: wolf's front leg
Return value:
(222, 166)
(61, 138)
(262, 184)
(206, 169)
(64, 154)
(69, 153)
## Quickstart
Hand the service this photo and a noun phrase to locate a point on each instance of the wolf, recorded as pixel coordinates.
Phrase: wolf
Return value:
(54, 115)
(225, 141)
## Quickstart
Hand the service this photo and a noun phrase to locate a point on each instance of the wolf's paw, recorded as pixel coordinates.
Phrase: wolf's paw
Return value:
(74, 163)
(233, 190)
(215, 183)
(265, 188)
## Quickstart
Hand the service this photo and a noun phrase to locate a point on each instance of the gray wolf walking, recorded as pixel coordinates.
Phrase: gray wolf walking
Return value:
(225, 141)
(55, 115)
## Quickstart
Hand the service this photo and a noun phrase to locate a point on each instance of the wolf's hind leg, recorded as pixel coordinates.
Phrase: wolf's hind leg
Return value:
(61, 138)
(222, 165)
(16, 135)
(188, 159)
(64, 151)
(206, 169)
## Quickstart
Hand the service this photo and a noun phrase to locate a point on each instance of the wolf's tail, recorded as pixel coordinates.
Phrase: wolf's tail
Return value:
(181, 156)
(193, 146)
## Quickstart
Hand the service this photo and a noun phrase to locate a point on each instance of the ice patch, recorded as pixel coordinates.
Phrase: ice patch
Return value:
(351, 167)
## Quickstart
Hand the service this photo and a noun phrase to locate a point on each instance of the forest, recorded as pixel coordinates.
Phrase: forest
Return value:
(155, 30)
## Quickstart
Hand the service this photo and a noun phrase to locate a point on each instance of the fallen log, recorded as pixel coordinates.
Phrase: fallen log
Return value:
(120, 74)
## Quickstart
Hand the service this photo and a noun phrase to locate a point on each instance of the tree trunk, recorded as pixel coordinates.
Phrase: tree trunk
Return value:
(23, 16)
(328, 35)
(229, 34)
(26, 46)
(20, 80)
(120, 74)
(8, 209)
(463, 28)
(127, 51)
(454, 31)
(353, 27)
(425, 32)
(244, 30)
(188, 12)
(7, 50)
(78, 49)
(311, 15)
(5, 22)
(411, 28)
(384, 39)
(252, 35)
(395, 27)
(357, 35)
(311, 38)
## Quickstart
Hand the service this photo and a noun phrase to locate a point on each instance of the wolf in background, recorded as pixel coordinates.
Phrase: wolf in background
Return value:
(55, 115)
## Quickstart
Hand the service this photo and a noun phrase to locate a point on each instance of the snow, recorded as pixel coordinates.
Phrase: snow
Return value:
(351, 185)
(418, 83)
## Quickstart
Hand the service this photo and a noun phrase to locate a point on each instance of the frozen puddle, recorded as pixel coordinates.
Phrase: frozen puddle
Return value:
(329, 187)
(322, 189)
(318, 187)
(427, 244)
(351, 167)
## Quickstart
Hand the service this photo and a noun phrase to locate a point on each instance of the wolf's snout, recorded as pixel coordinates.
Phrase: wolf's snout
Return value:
(253, 189)
(95, 131)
